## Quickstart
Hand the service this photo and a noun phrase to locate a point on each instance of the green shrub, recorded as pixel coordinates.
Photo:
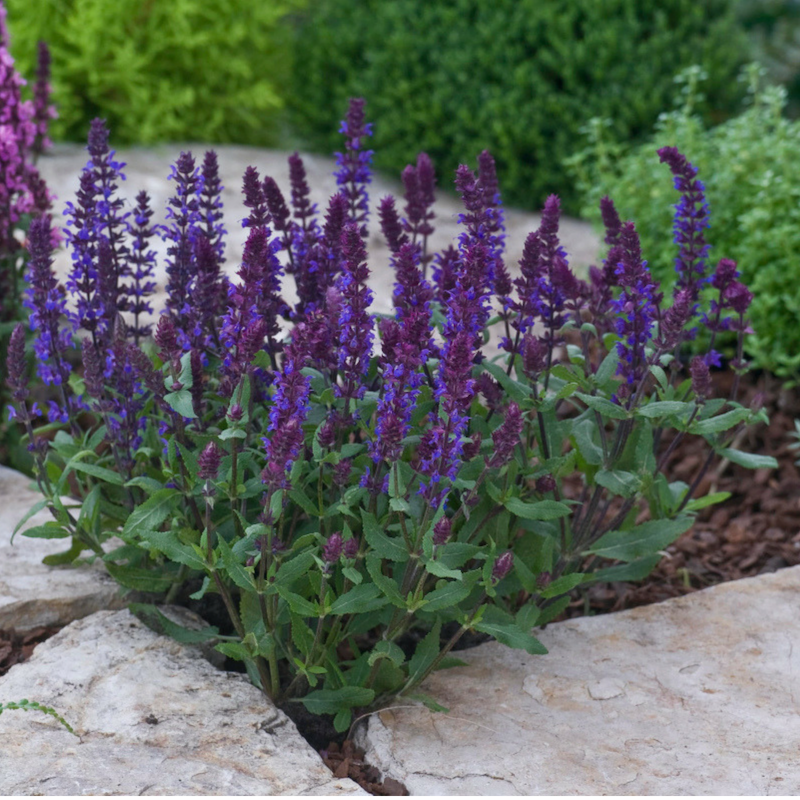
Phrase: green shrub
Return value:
(160, 71)
(519, 77)
(752, 175)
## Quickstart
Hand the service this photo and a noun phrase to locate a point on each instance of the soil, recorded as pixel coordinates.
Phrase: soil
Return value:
(756, 530)
(347, 761)
(17, 647)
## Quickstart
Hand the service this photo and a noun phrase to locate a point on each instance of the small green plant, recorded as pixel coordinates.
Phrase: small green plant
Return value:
(363, 491)
(753, 185)
(32, 705)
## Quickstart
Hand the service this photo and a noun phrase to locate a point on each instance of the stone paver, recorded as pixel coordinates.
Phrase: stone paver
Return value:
(32, 594)
(695, 696)
(148, 169)
(154, 718)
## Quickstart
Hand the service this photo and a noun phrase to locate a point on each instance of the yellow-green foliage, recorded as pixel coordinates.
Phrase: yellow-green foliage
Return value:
(160, 70)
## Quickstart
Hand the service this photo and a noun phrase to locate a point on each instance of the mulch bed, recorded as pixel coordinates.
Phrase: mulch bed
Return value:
(347, 761)
(757, 530)
(17, 647)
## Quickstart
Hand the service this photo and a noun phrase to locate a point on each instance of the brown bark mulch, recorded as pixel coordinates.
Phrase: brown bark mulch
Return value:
(347, 761)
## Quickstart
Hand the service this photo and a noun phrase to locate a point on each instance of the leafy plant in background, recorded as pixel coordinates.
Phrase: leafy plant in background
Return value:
(162, 71)
(23, 135)
(752, 178)
(517, 76)
(362, 491)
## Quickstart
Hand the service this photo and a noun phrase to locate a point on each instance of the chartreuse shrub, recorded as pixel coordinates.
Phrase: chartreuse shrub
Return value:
(362, 490)
(162, 71)
(752, 178)
(517, 76)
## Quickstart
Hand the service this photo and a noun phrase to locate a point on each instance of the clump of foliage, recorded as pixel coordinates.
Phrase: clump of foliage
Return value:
(517, 76)
(361, 491)
(23, 194)
(752, 178)
(183, 70)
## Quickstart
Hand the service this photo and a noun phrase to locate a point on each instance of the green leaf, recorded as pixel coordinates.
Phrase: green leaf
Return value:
(298, 603)
(387, 650)
(202, 590)
(564, 584)
(447, 596)
(608, 369)
(708, 500)
(441, 571)
(166, 542)
(181, 402)
(289, 571)
(428, 701)
(386, 584)
(67, 557)
(342, 720)
(749, 460)
(723, 422)
(331, 701)
(50, 530)
(618, 482)
(155, 620)
(511, 635)
(236, 571)
(663, 408)
(303, 500)
(583, 433)
(643, 540)
(35, 509)
(542, 510)
(143, 580)
(359, 599)
(149, 515)
(517, 391)
(107, 475)
(604, 407)
(634, 571)
(381, 544)
(235, 650)
(425, 653)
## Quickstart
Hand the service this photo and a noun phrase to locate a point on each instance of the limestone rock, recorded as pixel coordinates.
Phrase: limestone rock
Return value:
(32, 594)
(694, 696)
(154, 717)
(148, 168)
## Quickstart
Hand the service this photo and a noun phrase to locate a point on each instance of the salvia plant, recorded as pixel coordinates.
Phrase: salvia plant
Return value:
(362, 490)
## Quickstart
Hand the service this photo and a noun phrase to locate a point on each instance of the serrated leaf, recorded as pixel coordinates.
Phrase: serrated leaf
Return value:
(331, 701)
(643, 540)
(289, 571)
(150, 514)
(49, 530)
(386, 584)
(167, 542)
(604, 407)
(155, 620)
(565, 583)
(236, 571)
(511, 635)
(425, 653)
(143, 580)
(359, 599)
(441, 571)
(387, 650)
(720, 423)
(448, 596)
(381, 544)
(181, 403)
(298, 603)
(235, 650)
(663, 408)
(541, 510)
(619, 482)
(107, 475)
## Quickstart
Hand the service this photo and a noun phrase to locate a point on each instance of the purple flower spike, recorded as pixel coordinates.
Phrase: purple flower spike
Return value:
(210, 205)
(506, 437)
(353, 174)
(209, 462)
(333, 548)
(391, 226)
(442, 531)
(351, 548)
(635, 309)
(17, 365)
(304, 209)
(185, 219)
(502, 566)
(701, 378)
(43, 110)
(254, 199)
(142, 266)
(420, 185)
(691, 219)
(355, 322)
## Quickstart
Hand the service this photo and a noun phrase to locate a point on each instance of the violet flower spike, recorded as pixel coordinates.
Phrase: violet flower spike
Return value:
(43, 109)
(142, 266)
(691, 219)
(354, 174)
(506, 437)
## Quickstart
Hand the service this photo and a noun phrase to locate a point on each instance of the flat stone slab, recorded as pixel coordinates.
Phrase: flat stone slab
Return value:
(148, 168)
(694, 696)
(32, 594)
(154, 717)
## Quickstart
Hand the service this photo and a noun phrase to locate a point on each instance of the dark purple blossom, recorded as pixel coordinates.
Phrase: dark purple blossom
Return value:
(506, 437)
(332, 550)
(502, 566)
(142, 266)
(442, 531)
(691, 219)
(701, 378)
(184, 220)
(391, 226)
(354, 174)
(304, 210)
(209, 462)
(545, 484)
(350, 550)
(43, 110)
(254, 199)
(16, 365)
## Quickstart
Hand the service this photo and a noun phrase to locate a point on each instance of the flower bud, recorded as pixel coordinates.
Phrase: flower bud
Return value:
(333, 548)
(341, 472)
(502, 566)
(351, 548)
(235, 412)
(701, 378)
(441, 531)
(209, 462)
(545, 484)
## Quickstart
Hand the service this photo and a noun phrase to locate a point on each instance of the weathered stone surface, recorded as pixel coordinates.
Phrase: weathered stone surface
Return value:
(148, 169)
(32, 594)
(694, 696)
(154, 717)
